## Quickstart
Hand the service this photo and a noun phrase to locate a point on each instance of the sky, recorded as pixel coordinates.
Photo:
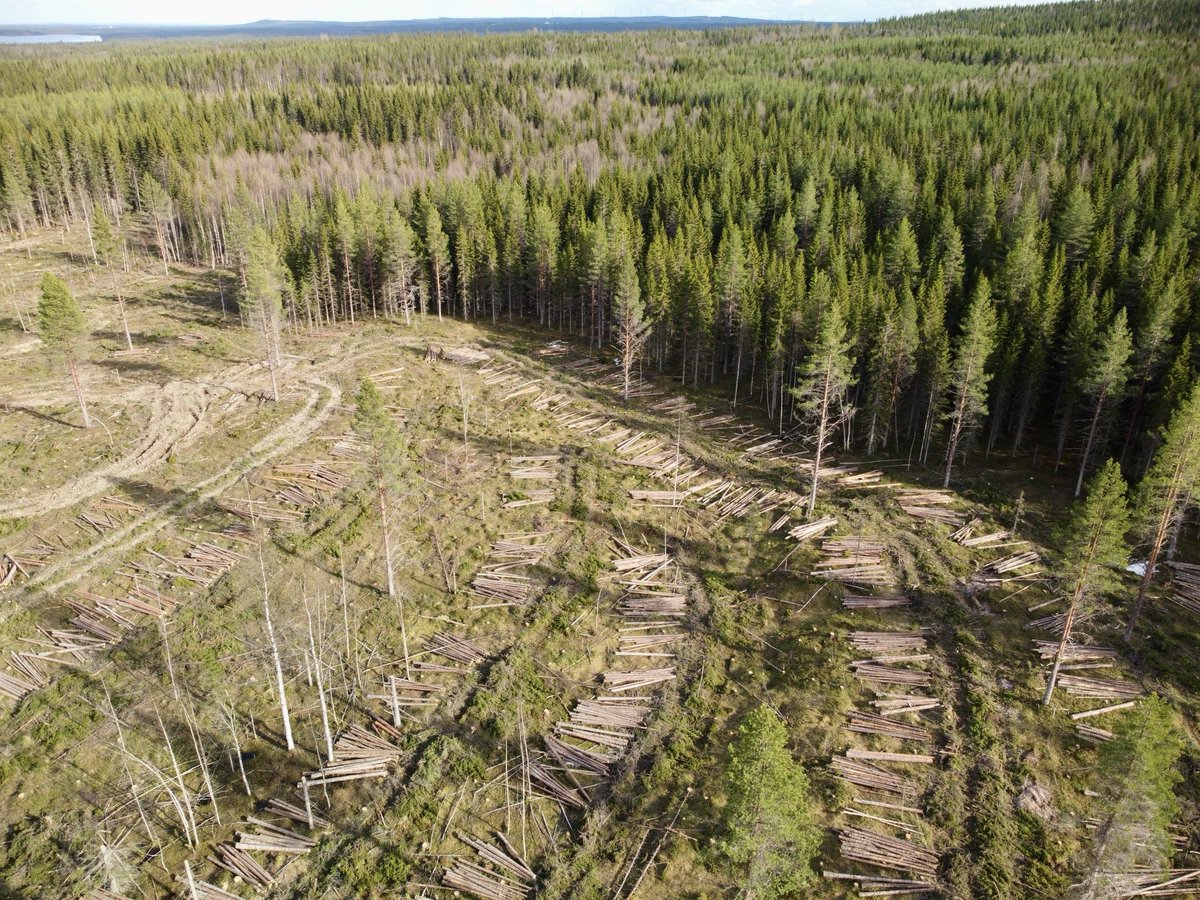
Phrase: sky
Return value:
(227, 12)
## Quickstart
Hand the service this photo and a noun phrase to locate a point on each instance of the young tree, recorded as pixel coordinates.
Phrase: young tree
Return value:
(61, 324)
(105, 241)
(1166, 490)
(769, 828)
(1104, 385)
(823, 385)
(969, 376)
(386, 453)
(263, 298)
(1095, 545)
(630, 314)
(1137, 779)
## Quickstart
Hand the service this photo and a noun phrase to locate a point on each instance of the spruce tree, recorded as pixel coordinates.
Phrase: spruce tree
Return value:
(770, 834)
(1094, 547)
(969, 375)
(823, 384)
(1169, 485)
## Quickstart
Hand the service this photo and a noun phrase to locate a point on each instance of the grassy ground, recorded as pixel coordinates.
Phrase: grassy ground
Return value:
(759, 630)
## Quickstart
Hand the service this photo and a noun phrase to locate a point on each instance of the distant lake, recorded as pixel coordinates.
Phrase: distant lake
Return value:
(48, 38)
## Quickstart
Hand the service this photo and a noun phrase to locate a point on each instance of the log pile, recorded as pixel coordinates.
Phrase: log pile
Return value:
(1098, 688)
(501, 875)
(811, 529)
(357, 754)
(853, 560)
(306, 484)
(1001, 571)
(27, 677)
(890, 601)
(22, 562)
(529, 498)
(932, 506)
(1168, 883)
(874, 478)
(271, 839)
(346, 446)
(455, 648)
(1072, 653)
(888, 641)
(497, 583)
(863, 774)
(532, 468)
(258, 510)
(286, 810)
(876, 886)
(887, 852)
(241, 864)
(1185, 579)
(464, 356)
(967, 537)
(873, 723)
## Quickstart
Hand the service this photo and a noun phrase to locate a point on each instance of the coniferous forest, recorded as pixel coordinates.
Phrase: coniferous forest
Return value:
(896, 320)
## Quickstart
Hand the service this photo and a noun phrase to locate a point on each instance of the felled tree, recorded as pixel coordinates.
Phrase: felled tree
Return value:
(105, 242)
(1095, 545)
(61, 324)
(386, 452)
(969, 375)
(769, 829)
(1137, 778)
(263, 300)
(1166, 489)
(821, 391)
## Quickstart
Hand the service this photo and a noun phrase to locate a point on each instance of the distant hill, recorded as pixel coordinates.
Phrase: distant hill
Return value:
(286, 28)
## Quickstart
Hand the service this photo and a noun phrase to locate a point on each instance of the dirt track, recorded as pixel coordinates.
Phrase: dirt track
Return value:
(180, 411)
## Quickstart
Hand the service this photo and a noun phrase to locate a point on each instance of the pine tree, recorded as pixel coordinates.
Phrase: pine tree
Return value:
(61, 325)
(1094, 547)
(1166, 489)
(823, 384)
(437, 254)
(969, 375)
(770, 834)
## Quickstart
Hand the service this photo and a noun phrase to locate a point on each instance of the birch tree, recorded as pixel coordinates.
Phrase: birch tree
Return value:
(1094, 547)
(61, 325)
(822, 389)
(1166, 490)
(969, 375)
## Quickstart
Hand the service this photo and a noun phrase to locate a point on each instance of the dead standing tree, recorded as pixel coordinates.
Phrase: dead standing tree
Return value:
(633, 329)
(275, 657)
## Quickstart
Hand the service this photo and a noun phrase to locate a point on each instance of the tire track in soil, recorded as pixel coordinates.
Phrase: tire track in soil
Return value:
(285, 438)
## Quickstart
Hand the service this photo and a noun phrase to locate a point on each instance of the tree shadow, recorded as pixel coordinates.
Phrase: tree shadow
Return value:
(45, 417)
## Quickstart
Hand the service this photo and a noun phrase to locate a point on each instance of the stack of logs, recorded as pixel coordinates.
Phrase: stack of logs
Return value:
(1000, 571)
(357, 754)
(853, 560)
(967, 537)
(106, 514)
(1185, 579)
(932, 506)
(885, 796)
(500, 874)
(497, 583)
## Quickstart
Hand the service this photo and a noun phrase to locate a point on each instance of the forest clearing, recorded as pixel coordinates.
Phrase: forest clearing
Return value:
(567, 505)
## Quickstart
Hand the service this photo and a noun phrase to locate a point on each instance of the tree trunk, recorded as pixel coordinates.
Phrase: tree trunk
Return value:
(87, 420)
